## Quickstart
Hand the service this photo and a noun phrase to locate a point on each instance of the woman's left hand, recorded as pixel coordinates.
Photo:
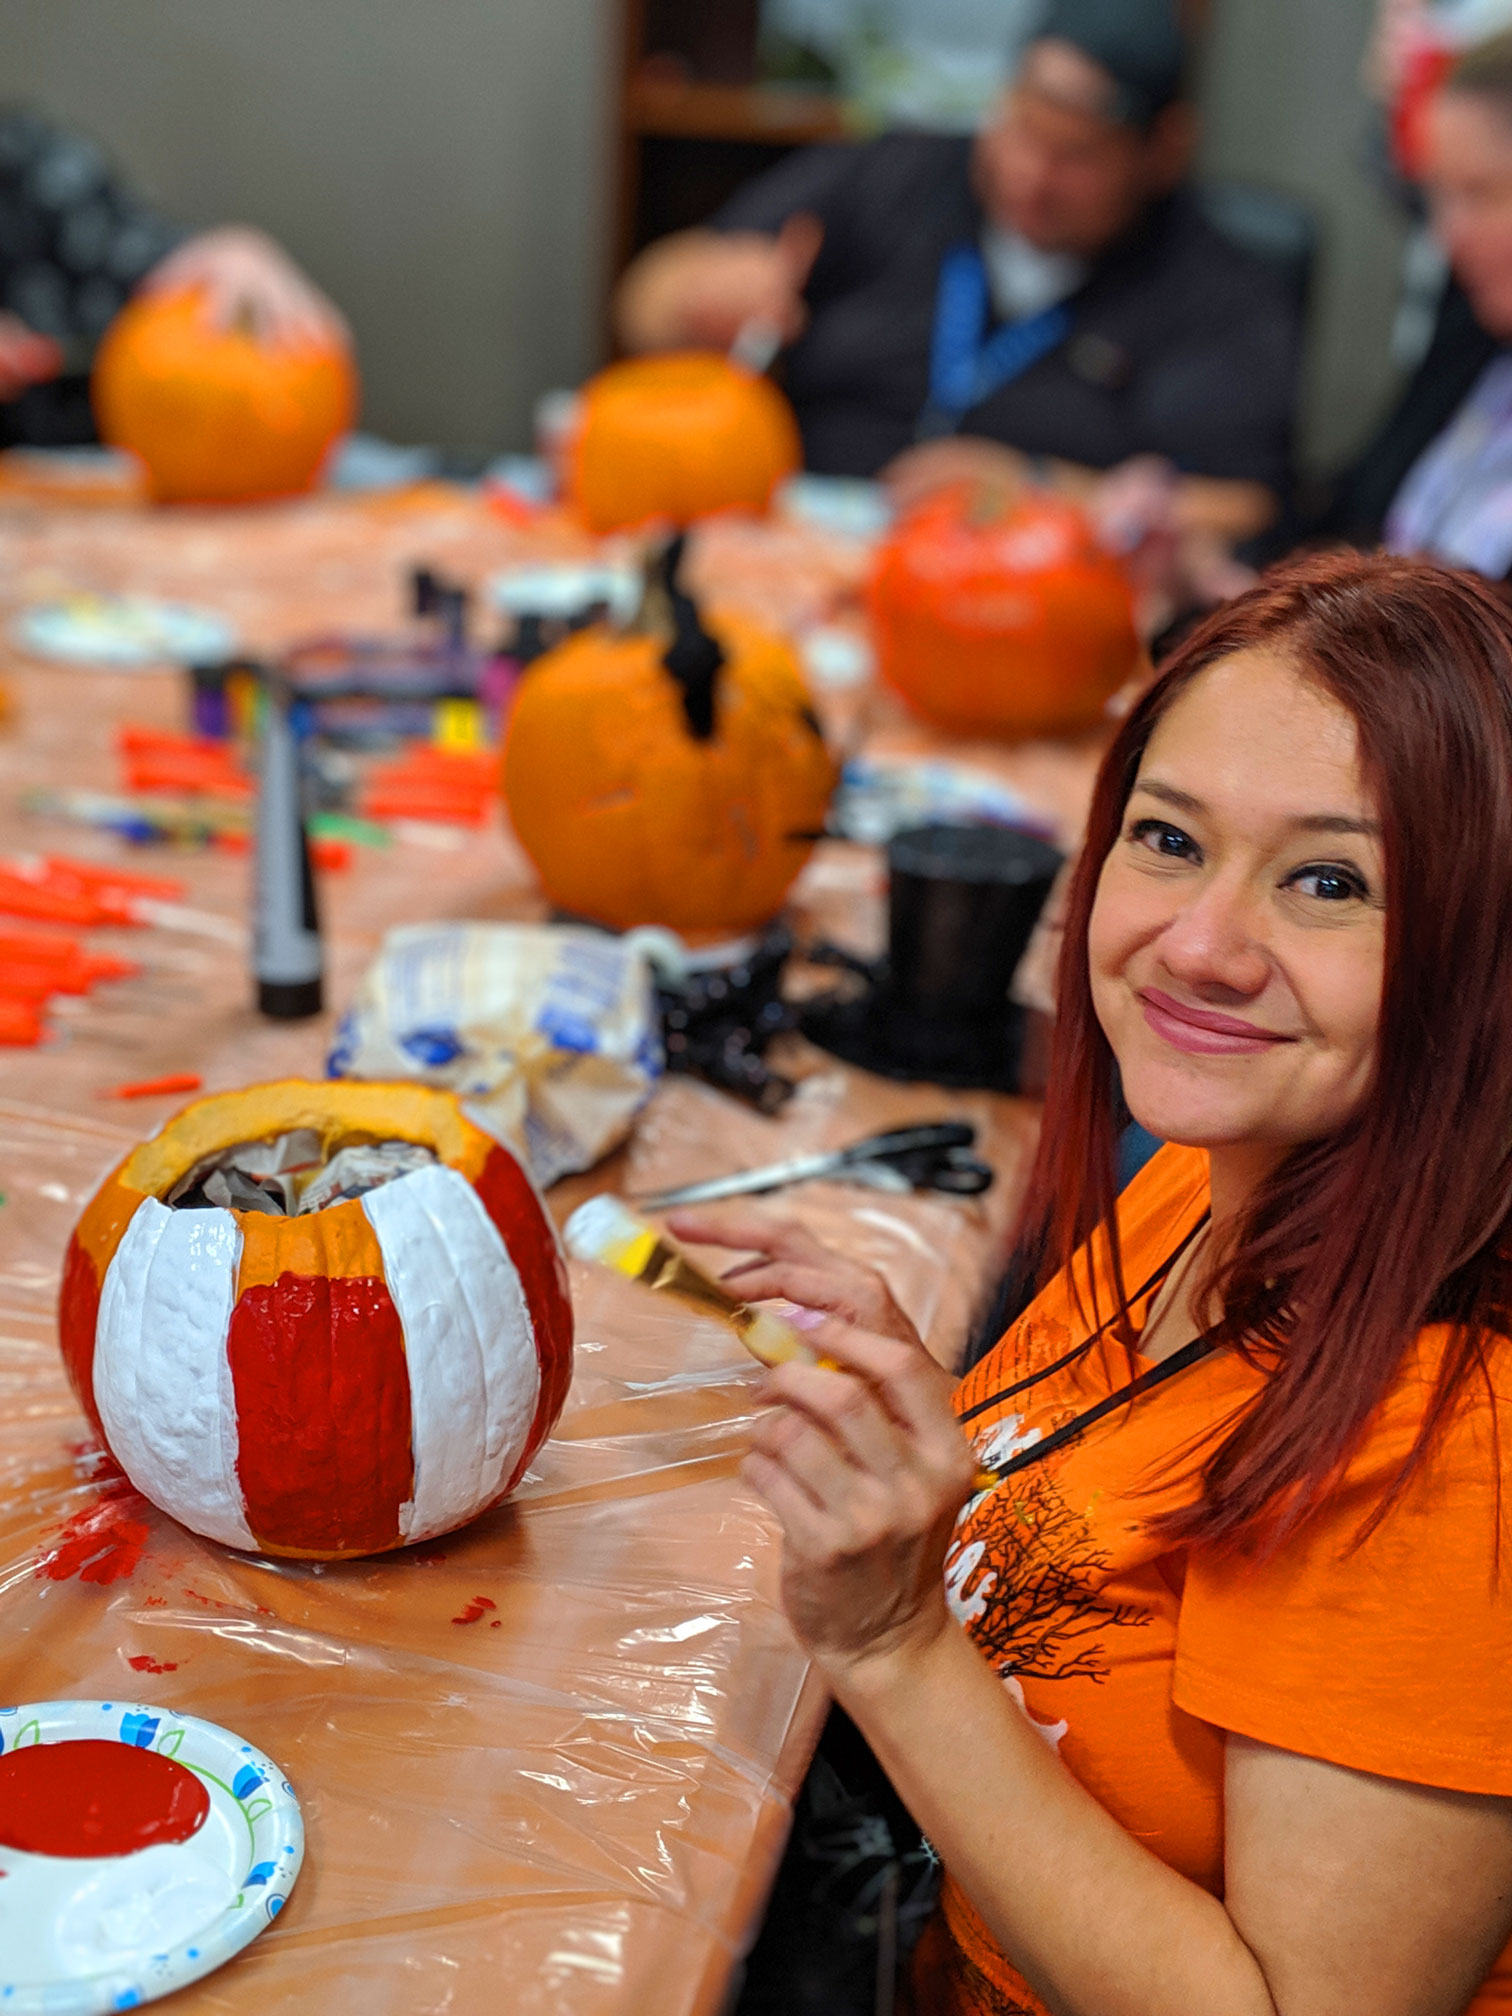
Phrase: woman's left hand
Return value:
(245, 277)
(866, 1467)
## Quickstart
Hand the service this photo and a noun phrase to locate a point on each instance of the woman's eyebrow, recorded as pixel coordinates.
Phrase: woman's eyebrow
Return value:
(1307, 822)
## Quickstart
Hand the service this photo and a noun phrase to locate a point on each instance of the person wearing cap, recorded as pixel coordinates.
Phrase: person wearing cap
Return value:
(76, 241)
(1047, 288)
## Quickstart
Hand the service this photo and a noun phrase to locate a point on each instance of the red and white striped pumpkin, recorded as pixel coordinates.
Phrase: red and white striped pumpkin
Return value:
(340, 1383)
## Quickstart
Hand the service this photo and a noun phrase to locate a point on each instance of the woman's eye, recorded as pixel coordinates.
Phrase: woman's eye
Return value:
(1330, 884)
(1163, 839)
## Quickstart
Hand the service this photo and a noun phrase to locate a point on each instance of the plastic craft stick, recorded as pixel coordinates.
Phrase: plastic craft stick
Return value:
(63, 868)
(21, 1023)
(152, 1088)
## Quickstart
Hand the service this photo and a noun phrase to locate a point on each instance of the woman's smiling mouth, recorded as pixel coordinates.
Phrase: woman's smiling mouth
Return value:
(1200, 1031)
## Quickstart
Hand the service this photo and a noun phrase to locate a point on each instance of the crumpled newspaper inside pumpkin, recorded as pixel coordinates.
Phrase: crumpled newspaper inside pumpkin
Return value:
(290, 1174)
(548, 1032)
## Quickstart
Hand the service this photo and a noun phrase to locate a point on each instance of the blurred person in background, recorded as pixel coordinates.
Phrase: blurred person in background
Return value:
(76, 242)
(1438, 477)
(1047, 294)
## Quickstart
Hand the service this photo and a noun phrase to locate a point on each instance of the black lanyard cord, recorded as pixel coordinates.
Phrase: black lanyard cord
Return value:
(1081, 1350)
(1190, 1354)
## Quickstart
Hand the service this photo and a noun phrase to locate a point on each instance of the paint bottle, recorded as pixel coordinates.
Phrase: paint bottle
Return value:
(286, 951)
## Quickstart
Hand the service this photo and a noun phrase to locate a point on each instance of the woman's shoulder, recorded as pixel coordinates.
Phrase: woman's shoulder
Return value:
(1377, 1633)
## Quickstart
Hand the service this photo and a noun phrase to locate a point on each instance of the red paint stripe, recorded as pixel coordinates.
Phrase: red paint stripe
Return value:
(78, 1319)
(323, 1413)
(526, 1231)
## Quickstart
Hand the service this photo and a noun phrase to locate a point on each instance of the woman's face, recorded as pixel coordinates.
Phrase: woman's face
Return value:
(1237, 942)
(1468, 175)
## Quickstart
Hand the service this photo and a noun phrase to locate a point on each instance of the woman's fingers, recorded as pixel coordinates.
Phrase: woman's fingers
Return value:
(812, 1457)
(912, 1388)
(746, 1228)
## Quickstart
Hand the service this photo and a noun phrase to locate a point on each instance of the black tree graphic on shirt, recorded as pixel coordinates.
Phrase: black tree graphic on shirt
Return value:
(1032, 1589)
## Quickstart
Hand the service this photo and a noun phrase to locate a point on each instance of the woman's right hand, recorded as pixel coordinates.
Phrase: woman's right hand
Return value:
(789, 1264)
(703, 288)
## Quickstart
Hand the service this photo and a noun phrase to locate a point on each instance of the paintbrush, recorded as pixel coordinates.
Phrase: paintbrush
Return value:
(607, 1231)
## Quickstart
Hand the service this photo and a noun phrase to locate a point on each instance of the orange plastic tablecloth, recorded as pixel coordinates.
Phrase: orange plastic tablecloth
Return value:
(546, 1764)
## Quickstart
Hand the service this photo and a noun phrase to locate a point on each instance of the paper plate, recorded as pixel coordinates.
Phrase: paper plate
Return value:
(83, 1935)
(124, 632)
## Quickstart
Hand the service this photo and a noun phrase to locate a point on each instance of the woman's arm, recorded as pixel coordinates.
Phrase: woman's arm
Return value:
(1346, 1893)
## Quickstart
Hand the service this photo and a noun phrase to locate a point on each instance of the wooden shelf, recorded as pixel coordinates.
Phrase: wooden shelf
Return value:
(758, 113)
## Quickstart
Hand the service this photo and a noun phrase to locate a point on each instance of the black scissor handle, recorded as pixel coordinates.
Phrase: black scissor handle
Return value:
(936, 1138)
(962, 1175)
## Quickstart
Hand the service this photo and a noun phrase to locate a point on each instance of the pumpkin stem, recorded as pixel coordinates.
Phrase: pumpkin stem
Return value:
(693, 657)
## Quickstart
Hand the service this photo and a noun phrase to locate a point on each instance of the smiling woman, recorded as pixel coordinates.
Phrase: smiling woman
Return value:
(1204, 1703)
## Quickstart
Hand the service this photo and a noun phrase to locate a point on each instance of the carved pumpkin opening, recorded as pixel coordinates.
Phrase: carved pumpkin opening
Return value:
(339, 1382)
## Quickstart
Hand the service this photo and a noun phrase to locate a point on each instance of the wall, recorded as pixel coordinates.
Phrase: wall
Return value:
(442, 166)
(439, 165)
(1282, 105)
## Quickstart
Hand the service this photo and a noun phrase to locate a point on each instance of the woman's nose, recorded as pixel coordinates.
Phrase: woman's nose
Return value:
(1213, 943)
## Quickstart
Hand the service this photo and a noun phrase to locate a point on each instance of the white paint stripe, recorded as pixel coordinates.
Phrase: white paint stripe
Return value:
(162, 1379)
(474, 1374)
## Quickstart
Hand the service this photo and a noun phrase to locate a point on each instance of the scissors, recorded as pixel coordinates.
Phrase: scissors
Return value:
(933, 1157)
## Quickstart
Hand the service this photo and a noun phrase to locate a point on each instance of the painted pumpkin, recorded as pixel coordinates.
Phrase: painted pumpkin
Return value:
(677, 436)
(679, 783)
(213, 415)
(1004, 619)
(332, 1384)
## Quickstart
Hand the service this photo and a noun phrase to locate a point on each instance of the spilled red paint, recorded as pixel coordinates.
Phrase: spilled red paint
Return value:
(475, 1610)
(154, 1602)
(96, 1798)
(142, 1664)
(103, 1543)
(322, 1393)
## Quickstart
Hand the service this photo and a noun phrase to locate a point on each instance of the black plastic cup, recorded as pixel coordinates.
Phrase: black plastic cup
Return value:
(963, 901)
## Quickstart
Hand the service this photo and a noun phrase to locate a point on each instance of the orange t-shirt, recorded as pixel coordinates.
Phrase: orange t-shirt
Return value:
(1133, 1658)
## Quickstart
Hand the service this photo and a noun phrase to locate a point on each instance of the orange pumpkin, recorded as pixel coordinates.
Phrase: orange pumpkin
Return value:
(353, 1379)
(996, 617)
(677, 436)
(646, 792)
(213, 414)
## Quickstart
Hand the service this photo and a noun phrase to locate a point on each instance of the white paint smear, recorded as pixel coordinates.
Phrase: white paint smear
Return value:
(474, 1374)
(162, 1379)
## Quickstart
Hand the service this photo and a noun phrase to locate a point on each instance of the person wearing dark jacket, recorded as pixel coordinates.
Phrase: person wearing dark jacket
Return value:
(1049, 290)
(76, 241)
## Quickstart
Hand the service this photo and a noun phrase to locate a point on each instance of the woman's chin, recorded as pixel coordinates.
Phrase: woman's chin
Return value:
(1193, 1116)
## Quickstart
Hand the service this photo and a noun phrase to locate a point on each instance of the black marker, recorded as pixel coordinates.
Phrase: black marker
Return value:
(287, 958)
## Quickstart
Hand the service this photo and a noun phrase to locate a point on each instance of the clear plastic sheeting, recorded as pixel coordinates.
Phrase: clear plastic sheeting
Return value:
(546, 1763)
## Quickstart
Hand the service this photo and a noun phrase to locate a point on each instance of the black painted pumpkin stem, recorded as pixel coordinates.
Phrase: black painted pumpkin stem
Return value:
(693, 657)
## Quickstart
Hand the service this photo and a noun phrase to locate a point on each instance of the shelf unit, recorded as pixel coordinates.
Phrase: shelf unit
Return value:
(694, 122)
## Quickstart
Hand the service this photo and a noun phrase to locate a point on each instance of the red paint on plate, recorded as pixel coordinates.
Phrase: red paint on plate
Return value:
(96, 1798)
(103, 1543)
(317, 1363)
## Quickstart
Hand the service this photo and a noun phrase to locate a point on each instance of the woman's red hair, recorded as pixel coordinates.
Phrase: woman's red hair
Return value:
(1401, 1219)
